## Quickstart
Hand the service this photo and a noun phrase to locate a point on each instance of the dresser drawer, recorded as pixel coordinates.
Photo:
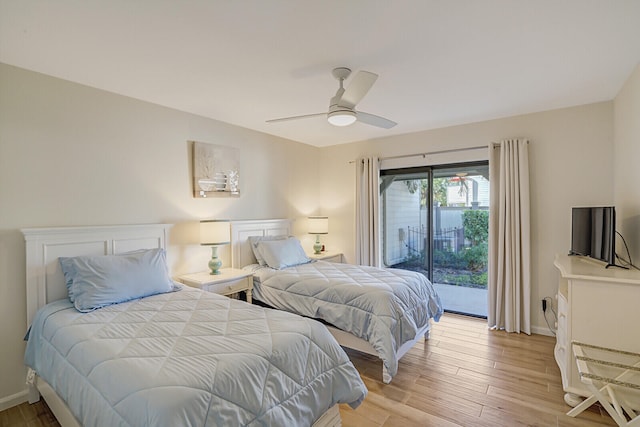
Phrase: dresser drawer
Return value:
(229, 287)
(562, 325)
(562, 304)
(336, 258)
(561, 333)
(229, 281)
(328, 256)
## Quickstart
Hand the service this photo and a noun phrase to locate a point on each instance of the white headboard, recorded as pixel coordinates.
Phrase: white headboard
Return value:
(45, 281)
(241, 252)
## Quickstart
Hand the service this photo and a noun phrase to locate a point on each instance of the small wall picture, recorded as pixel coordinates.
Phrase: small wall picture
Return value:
(215, 170)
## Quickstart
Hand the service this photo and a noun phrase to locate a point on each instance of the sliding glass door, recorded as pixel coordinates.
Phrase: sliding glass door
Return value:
(435, 221)
(406, 224)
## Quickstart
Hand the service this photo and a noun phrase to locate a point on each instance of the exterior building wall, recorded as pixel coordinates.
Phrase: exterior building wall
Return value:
(401, 209)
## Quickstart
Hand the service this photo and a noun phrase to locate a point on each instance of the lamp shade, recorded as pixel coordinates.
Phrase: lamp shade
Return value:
(318, 225)
(215, 232)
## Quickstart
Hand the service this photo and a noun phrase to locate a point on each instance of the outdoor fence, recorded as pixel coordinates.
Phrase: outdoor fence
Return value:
(446, 239)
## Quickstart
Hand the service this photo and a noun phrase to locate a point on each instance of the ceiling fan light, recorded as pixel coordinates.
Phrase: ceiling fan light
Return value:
(342, 118)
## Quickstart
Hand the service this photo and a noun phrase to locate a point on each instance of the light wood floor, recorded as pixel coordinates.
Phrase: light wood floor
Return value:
(465, 375)
(36, 415)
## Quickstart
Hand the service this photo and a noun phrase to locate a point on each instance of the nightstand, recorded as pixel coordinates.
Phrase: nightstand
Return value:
(330, 256)
(229, 281)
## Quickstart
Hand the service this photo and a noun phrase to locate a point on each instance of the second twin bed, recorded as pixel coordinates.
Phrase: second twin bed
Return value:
(379, 311)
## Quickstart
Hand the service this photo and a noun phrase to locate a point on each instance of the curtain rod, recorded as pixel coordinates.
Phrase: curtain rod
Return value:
(453, 150)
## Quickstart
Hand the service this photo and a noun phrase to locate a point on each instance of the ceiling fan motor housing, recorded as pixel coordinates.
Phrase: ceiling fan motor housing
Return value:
(341, 73)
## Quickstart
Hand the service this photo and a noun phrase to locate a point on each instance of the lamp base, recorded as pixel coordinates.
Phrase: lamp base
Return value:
(215, 263)
(317, 247)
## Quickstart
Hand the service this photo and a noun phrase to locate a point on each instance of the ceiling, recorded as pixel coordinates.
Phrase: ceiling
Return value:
(440, 62)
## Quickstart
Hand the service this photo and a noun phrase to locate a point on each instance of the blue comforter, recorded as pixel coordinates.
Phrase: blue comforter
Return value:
(386, 307)
(190, 358)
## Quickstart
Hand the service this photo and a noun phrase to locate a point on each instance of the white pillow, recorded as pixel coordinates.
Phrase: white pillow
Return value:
(282, 253)
(254, 240)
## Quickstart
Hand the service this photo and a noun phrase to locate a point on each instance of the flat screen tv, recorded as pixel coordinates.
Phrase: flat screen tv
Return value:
(593, 233)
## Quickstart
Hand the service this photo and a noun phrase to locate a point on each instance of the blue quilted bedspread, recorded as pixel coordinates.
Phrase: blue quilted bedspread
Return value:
(190, 358)
(386, 307)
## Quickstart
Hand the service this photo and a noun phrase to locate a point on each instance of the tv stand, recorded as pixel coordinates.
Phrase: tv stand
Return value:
(607, 265)
(597, 306)
(616, 265)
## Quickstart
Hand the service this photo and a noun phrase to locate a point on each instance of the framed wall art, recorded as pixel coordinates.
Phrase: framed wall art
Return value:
(215, 170)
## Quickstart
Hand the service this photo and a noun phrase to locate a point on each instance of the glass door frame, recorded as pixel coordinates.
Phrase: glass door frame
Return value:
(429, 221)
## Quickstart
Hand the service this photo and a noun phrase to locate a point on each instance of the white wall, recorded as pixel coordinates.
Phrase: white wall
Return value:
(627, 165)
(72, 155)
(571, 163)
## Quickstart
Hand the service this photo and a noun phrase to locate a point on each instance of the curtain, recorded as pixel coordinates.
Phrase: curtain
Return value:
(367, 211)
(509, 237)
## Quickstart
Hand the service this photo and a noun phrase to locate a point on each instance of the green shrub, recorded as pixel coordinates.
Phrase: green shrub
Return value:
(414, 258)
(449, 259)
(479, 279)
(476, 257)
(476, 226)
(455, 279)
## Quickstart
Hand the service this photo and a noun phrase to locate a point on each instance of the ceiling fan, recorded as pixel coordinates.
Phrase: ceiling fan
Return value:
(342, 110)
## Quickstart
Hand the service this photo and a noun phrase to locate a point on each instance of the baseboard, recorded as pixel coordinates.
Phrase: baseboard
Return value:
(13, 400)
(542, 330)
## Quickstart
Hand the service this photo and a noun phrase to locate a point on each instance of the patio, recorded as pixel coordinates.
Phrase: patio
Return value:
(461, 299)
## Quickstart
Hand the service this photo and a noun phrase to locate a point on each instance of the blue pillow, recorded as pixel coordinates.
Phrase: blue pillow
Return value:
(282, 253)
(98, 281)
(255, 241)
(67, 264)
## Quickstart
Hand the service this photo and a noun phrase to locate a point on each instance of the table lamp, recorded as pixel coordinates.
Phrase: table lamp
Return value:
(214, 233)
(318, 225)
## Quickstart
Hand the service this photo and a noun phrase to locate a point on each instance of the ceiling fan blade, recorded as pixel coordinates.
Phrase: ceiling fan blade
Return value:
(373, 120)
(358, 88)
(305, 116)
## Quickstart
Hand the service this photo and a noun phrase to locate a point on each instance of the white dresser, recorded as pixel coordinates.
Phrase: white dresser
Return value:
(596, 305)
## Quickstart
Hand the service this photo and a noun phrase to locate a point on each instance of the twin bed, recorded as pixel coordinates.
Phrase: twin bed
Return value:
(172, 358)
(183, 356)
(383, 312)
